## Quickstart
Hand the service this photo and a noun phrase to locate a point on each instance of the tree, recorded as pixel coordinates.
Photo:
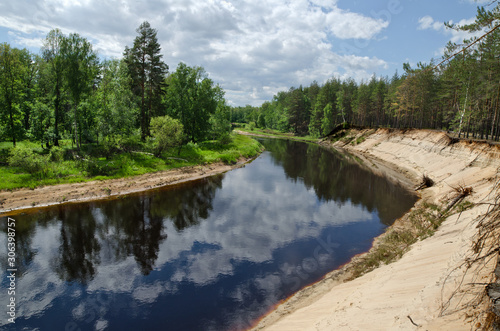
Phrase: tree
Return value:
(220, 120)
(317, 113)
(41, 128)
(167, 132)
(192, 98)
(327, 123)
(117, 111)
(81, 70)
(147, 71)
(12, 72)
(340, 104)
(51, 53)
(298, 111)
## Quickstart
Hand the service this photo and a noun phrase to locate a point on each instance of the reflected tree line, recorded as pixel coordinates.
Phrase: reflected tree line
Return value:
(335, 176)
(107, 232)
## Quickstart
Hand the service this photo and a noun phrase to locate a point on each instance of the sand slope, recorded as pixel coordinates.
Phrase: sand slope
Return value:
(414, 292)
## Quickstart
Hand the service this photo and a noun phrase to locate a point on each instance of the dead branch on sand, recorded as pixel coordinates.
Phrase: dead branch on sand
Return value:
(485, 250)
(462, 192)
(426, 182)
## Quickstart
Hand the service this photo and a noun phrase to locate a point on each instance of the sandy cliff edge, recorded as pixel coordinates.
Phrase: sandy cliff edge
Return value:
(428, 288)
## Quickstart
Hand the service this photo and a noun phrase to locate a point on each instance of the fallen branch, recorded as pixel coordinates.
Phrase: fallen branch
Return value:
(426, 182)
(413, 322)
(462, 193)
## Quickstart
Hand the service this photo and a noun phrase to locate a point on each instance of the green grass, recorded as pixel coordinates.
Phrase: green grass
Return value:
(421, 222)
(97, 164)
(278, 134)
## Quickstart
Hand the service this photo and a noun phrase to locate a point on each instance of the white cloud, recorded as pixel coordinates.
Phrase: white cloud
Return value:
(347, 25)
(455, 36)
(245, 45)
(427, 22)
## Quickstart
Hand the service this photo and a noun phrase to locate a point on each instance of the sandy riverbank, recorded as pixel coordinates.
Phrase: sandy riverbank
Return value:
(95, 190)
(428, 288)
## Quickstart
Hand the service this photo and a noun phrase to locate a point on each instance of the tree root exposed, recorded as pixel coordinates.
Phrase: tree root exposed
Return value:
(485, 250)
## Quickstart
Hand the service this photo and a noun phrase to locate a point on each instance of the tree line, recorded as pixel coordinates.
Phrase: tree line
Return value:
(67, 92)
(460, 94)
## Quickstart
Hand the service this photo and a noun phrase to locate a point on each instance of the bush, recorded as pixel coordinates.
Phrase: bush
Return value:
(56, 154)
(24, 158)
(95, 167)
(167, 132)
(131, 143)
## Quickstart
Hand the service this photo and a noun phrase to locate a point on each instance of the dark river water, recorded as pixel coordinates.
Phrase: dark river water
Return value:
(213, 254)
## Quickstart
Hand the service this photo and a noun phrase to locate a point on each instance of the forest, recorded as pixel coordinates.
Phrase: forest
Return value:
(67, 115)
(460, 94)
(67, 92)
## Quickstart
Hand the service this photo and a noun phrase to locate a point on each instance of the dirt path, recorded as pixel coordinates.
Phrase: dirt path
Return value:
(95, 190)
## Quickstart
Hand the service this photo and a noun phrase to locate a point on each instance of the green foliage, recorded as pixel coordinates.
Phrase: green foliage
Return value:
(420, 223)
(27, 168)
(66, 98)
(56, 154)
(51, 80)
(24, 158)
(147, 73)
(131, 143)
(166, 132)
(220, 122)
(81, 68)
(192, 98)
(117, 111)
(327, 124)
(99, 167)
(14, 66)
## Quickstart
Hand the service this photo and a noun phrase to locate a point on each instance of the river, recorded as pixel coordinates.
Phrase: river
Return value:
(212, 254)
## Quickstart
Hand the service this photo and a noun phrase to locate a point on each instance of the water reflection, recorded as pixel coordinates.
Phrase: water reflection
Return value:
(208, 255)
(338, 177)
(79, 249)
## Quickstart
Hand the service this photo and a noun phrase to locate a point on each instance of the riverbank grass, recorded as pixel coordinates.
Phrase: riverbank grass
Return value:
(421, 222)
(275, 134)
(30, 166)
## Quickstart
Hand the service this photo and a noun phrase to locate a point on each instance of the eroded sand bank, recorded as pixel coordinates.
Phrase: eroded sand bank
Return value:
(421, 290)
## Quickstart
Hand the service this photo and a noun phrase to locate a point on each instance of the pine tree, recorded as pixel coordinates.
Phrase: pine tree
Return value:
(148, 72)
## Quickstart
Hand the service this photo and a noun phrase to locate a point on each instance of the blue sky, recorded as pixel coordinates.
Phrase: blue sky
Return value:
(254, 49)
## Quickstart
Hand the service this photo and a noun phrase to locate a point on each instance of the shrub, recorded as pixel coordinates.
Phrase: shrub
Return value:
(167, 132)
(56, 154)
(131, 143)
(24, 158)
(95, 167)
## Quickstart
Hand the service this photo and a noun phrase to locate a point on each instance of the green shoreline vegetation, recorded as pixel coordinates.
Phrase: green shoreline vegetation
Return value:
(66, 116)
(272, 133)
(36, 166)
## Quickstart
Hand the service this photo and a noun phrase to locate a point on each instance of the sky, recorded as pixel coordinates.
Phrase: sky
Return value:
(255, 49)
